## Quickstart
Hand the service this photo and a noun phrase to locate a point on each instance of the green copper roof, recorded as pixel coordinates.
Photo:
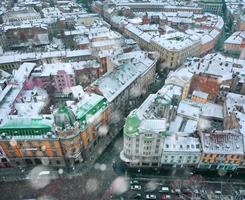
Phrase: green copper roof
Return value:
(22, 123)
(89, 106)
(26, 126)
(64, 116)
(131, 126)
(63, 109)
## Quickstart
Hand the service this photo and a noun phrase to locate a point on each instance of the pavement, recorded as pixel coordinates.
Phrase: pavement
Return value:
(191, 188)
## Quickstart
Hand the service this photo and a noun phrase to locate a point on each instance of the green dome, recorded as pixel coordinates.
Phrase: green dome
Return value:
(132, 124)
(64, 116)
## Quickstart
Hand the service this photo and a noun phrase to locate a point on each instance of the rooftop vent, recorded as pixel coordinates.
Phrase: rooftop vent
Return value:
(49, 134)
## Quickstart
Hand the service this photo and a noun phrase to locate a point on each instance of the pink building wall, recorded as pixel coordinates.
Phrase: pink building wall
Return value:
(28, 84)
(63, 80)
(39, 81)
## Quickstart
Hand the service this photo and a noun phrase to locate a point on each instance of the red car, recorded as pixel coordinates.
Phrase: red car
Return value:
(163, 197)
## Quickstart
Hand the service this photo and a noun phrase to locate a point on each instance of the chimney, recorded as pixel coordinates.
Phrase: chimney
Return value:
(242, 47)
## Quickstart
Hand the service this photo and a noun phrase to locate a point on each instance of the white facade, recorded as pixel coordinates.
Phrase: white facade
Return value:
(179, 150)
(144, 149)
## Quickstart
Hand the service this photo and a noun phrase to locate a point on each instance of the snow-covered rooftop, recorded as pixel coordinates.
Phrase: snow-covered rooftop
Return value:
(178, 143)
(222, 142)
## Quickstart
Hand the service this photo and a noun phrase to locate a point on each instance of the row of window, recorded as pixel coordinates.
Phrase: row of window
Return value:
(192, 146)
(180, 157)
(180, 161)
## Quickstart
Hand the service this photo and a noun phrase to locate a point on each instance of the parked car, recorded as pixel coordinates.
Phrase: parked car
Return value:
(134, 182)
(177, 191)
(164, 189)
(186, 191)
(196, 191)
(43, 174)
(163, 197)
(137, 196)
(135, 187)
(217, 192)
(151, 196)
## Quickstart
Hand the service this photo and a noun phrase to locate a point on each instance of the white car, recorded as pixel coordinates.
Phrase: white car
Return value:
(196, 191)
(164, 190)
(44, 173)
(217, 192)
(151, 196)
(177, 191)
(134, 182)
(135, 187)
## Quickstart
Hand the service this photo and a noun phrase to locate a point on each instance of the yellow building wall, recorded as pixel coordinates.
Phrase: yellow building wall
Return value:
(84, 138)
(198, 99)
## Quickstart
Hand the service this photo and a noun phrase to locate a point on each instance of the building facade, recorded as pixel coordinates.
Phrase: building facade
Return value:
(212, 6)
(63, 139)
(221, 150)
